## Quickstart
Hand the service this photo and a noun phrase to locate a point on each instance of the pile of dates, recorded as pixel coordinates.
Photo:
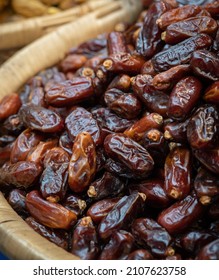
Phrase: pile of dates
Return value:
(114, 153)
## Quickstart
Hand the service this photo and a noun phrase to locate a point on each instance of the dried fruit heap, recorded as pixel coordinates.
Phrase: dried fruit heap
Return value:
(114, 153)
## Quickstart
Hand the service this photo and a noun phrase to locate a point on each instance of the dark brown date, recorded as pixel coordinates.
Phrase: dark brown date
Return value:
(40, 119)
(181, 215)
(122, 82)
(209, 251)
(154, 191)
(13, 125)
(209, 158)
(16, 199)
(82, 165)
(211, 94)
(205, 64)
(131, 154)
(212, 8)
(118, 247)
(108, 185)
(178, 172)
(56, 236)
(140, 254)
(179, 14)
(122, 214)
(80, 120)
(116, 43)
(72, 62)
(180, 53)
(98, 210)
(125, 105)
(111, 121)
(36, 97)
(50, 214)
(27, 140)
(206, 186)
(75, 204)
(176, 131)
(148, 232)
(5, 153)
(9, 105)
(84, 240)
(184, 97)
(53, 181)
(69, 92)
(202, 129)
(21, 174)
(184, 29)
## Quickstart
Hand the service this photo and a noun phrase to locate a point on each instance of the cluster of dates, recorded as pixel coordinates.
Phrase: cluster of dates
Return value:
(114, 153)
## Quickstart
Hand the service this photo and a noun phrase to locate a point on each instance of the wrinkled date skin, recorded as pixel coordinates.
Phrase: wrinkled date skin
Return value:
(122, 214)
(16, 199)
(85, 241)
(152, 236)
(202, 129)
(154, 191)
(82, 165)
(22, 174)
(53, 181)
(69, 92)
(131, 154)
(184, 97)
(108, 185)
(184, 29)
(80, 120)
(205, 64)
(180, 53)
(176, 131)
(209, 251)
(54, 235)
(40, 119)
(211, 94)
(118, 247)
(125, 105)
(180, 215)
(50, 214)
(178, 170)
(9, 105)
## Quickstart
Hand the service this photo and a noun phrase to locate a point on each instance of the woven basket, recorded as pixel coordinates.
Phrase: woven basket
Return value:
(17, 239)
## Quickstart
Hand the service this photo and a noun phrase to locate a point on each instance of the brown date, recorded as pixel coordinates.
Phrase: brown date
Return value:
(181, 215)
(72, 62)
(119, 246)
(27, 140)
(179, 14)
(211, 94)
(176, 131)
(9, 105)
(70, 92)
(82, 165)
(53, 181)
(130, 153)
(56, 236)
(36, 97)
(184, 29)
(122, 82)
(74, 203)
(154, 191)
(205, 64)
(50, 214)
(98, 210)
(140, 254)
(209, 251)
(167, 79)
(122, 214)
(40, 119)
(206, 186)
(108, 185)
(180, 53)
(138, 129)
(125, 105)
(148, 232)
(184, 97)
(178, 172)
(203, 127)
(16, 199)
(84, 240)
(13, 125)
(116, 43)
(21, 174)
(80, 120)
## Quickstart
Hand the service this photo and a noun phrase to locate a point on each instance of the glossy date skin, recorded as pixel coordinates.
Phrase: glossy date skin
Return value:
(9, 105)
(131, 154)
(180, 215)
(210, 251)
